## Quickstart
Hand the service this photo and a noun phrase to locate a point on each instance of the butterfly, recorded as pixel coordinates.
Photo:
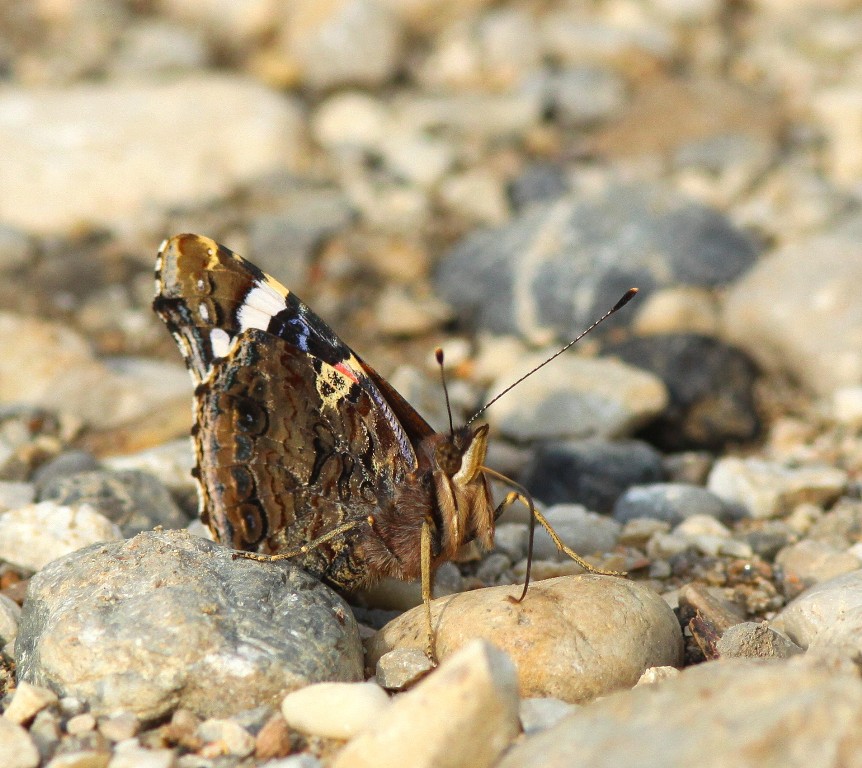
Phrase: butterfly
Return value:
(303, 451)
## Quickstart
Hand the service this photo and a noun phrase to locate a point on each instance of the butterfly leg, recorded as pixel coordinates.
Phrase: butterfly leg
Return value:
(307, 547)
(425, 565)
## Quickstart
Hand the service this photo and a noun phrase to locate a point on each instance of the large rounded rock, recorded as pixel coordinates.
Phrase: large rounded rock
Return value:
(573, 637)
(168, 620)
(741, 713)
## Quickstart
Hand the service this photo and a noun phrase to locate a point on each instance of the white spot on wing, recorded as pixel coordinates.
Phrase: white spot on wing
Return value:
(204, 312)
(261, 303)
(220, 342)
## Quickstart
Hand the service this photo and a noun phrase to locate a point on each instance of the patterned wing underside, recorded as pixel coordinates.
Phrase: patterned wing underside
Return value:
(294, 434)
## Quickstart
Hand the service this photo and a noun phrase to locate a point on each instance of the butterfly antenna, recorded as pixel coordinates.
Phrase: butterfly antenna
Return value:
(629, 295)
(438, 354)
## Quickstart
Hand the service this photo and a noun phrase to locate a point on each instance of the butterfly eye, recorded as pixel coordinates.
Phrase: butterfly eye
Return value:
(448, 457)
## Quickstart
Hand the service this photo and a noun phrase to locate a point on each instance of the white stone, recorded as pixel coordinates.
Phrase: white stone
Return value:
(13, 495)
(17, 749)
(769, 489)
(847, 405)
(66, 151)
(231, 737)
(334, 710)
(464, 714)
(27, 701)
(33, 536)
(350, 119)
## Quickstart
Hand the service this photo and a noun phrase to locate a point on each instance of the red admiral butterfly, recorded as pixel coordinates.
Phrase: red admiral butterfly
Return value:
(303, 450)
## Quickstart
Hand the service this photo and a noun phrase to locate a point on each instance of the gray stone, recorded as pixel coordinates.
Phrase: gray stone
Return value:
(173, 621)
(401, 668)
(582, 96)
(578, 398)
(464, 714)
(539, 714)
(573, 637)
(584, 531)
(669, 502)
(16, 250)
(781, 713)
(10, 615)
(67, 463)
(172, 463)
(591, 472)
(557, 267)
(134, 500)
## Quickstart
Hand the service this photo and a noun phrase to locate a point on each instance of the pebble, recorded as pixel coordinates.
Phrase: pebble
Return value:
(808, 327)
(710, 387)
(17, 749)
(754, 640)
(760, 702)
(401, 667)
(350, 120)
(464, 714)
(546, 260)
(573, 637)
(134, 500)
(27, 701)
(223, 736)
(677, 309)
(582, 96)
(847, 406)
(138, 757)
(668, 502)
(10, 615)
(591, 472)
(120, 726)
(84, 138)
(579, 398)
(190, 617)
(769, 489)
(171, 462)
(334, 710)
(33, 536)
(827, 615)
(83, 723)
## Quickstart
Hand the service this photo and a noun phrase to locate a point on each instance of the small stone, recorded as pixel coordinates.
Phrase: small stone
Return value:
(225, 737)
(657, 675)
(465, 713)
(813, 562)
(669, 502)
(573, 637)
(401, 668)
(139, 757)
(33, 536)
(583, 531)
(768, 489)
(83, 723)
(755, 640)
(171, 463)
(583, 96)
(273, 740)
(350, 119)
(119, 727)
(847, 406)
(585, 398)
(677, 309)
(67, 463)
(334, 710)
(539, 714)
(17, 749)
(10, 615)
(402, 314)
(27, 701)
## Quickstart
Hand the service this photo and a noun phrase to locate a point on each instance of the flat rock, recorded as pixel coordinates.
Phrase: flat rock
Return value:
(573, 637)
(462, 716)
(779, 712)
(769, 489)
(755, 641)
(77, 141)
(797, 311)
(171, 620)
(581, 397)
(593, 472)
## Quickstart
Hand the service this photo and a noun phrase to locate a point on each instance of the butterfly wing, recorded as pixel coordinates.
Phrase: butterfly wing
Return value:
(294, 434)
